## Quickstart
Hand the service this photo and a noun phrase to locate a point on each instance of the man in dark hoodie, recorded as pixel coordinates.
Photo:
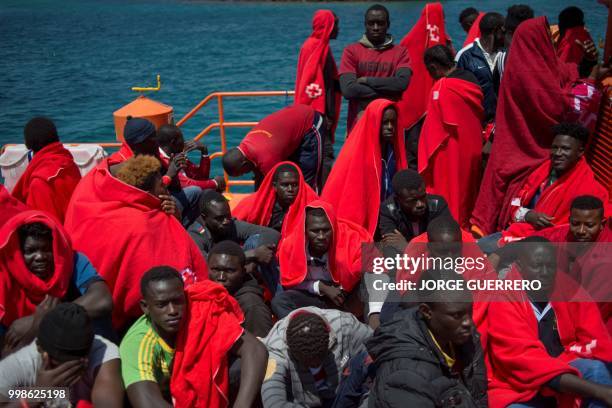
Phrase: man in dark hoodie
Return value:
(430, 355)
(226, 261)
(373, 67)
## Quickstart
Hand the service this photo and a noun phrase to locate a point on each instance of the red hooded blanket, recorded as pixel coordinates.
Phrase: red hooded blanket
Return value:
(212, 324)
(123, 232)
(450, 145)
(535, 94)
(344, 254)
(48, 181)
(556, 199)
(309, 80)
(427, 32)
(474, 32)
(354, 183)
(257, 207)
(521, 365)
(9, 206)
(568, 49)
(20, 289)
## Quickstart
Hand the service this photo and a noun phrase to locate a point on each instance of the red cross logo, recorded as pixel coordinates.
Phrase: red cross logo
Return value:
(434, 32)
(314, 91)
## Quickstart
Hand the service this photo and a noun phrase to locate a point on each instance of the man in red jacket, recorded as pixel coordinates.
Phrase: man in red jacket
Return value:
(51, 177)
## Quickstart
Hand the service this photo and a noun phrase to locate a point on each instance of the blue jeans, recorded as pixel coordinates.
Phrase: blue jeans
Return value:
(355, 382)
(188, 201)
(270, 273)
(595, 371)
(488, 244)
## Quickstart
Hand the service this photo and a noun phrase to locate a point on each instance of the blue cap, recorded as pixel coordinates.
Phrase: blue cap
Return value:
(137, 130)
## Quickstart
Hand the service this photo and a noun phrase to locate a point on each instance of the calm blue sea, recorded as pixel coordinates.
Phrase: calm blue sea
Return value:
(76, 60)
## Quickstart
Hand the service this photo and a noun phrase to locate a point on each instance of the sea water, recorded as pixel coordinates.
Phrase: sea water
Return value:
(75, 61)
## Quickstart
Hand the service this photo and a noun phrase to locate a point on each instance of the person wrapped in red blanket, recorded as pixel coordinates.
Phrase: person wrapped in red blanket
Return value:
(51, 177)
(9, 206)
(316, 80)
(474, 32)
(429, 30)
(574, 43)
(321, 256)
(543, 348)
(546, 195)
(282, 194)
(535, 94)
(451, 141)
(361, 177)
(123, 218)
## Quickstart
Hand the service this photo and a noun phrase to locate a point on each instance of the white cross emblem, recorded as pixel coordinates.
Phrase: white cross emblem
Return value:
(314, 91)
(434, 32)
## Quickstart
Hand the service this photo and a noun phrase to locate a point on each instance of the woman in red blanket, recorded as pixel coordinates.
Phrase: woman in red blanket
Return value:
(428, 31)
(123, 219)
(535, 94)
(282, 194)
(51, 177)
(451, 139)
(361, 177)
(321, 256)
(542, 350)
(9, 206)
(546, 195)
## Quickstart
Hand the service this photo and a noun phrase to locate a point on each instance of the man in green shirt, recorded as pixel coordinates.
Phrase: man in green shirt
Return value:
(147, 350)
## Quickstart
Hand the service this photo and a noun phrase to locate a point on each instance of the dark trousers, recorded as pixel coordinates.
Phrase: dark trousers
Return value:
(309, 156)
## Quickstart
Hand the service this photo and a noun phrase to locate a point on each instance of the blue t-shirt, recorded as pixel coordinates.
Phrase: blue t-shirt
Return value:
(83, 275)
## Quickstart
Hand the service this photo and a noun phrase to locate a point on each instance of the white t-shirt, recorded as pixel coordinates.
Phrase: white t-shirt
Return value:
(20, 369)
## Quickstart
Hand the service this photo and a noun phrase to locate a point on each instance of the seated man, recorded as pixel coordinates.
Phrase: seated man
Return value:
(450, 145)
(430, 355)
(156, 351)
(545, 350)
(226, 266)
(309, 350)
(408, 211)
(125, 225)
(546, 195)
(282, 191)
(51, 176)
(361, 177)
(320, 264)
(216, 224)
(66, 354)
(38, 269)
(171, 143)
(141, 139)
(295, 133)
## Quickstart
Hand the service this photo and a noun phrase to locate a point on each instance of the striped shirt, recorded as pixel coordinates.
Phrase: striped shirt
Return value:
(145, 356)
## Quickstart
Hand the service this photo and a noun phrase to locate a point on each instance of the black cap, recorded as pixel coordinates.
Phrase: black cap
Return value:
(137, 130)
(66, 332)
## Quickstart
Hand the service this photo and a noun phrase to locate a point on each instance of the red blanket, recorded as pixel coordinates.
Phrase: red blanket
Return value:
(451, 143)
(20, 289)
(9, 206)
(123, 232)
(257, 207)
(122, 154)
(48, 181)
(344, 254)
(212, 324)
(353, 185)
(474, 32)
(428, 31)
(567, 48)
(556, 199)
(521, 364)
(535, 94)
(309, 81)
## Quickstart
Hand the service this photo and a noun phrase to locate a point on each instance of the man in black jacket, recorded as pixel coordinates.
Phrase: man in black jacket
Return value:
(430, 355)
(226, 261)
(408, 212)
